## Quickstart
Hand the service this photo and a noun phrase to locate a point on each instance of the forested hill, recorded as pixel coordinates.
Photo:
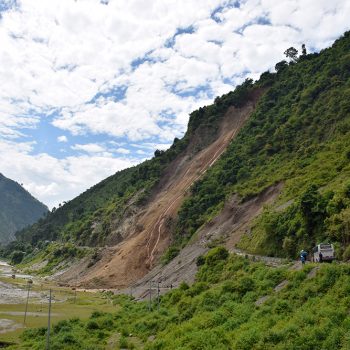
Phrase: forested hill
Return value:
(18, 208)
(298, 136)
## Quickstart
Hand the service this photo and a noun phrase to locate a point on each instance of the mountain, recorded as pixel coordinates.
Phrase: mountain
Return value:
(18, 209)
(264, 168)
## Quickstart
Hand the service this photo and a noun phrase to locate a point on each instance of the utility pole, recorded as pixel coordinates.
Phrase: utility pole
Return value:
(158, 298)
(25, 312)
(48, 325)
(75, 289)
(75, 294)
(150, 296)
(41, 297)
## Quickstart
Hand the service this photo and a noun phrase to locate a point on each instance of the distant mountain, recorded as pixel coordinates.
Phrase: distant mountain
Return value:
(18, 208)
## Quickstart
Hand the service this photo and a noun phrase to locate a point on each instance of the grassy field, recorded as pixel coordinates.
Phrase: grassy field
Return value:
(64, 306)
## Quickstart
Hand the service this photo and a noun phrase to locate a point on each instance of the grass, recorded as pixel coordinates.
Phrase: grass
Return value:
(219, 311)
(83, 306)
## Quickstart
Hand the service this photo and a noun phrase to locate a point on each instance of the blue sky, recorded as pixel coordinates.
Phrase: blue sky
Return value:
(90, 87)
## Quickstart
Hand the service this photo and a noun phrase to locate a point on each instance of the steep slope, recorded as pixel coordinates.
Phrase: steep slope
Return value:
(283, 141)
(283, 183)
(18, 208)
(133, 211)
(299, 136)
(150, 233)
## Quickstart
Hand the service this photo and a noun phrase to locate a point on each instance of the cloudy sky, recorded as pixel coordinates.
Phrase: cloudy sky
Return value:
(88, 87)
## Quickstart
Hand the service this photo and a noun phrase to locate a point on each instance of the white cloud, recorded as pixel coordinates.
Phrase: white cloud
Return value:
(62, 138)
(57, 55)
(89, 148)
(122, 150)
(56, 180)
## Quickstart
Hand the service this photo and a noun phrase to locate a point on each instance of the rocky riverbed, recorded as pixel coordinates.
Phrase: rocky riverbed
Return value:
(12, 292)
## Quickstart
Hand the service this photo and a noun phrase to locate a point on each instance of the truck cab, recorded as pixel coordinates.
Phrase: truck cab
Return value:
(323, 252)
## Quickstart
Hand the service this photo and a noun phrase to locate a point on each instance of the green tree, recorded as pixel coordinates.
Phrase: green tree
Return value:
(292, 54)
(281, 65)
(303, 50)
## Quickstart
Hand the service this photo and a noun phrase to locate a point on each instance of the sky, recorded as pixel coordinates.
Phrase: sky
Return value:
(90, 87)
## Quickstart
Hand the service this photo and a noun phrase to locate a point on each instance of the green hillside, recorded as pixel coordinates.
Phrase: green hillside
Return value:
(299, 135)
(18, 208)
(224, 310)
(108, 200)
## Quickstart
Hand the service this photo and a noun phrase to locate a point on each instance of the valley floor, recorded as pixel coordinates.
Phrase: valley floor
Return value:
(65, 303)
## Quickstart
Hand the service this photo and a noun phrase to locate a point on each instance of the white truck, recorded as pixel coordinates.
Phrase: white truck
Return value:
(323, 252)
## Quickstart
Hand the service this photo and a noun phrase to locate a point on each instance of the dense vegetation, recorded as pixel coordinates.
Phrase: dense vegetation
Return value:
(299, 134)
(219, 311)
(18, 208)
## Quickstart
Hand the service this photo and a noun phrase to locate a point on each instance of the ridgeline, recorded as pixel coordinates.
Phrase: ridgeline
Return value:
(18, 209)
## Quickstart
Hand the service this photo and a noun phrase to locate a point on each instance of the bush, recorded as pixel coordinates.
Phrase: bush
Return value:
(17, 257)
(92, 325)
(346, 254)
(171, 253)
(200, 260)
(215, 255)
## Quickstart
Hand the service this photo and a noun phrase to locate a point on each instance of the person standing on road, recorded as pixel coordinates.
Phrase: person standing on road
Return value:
(303, 255)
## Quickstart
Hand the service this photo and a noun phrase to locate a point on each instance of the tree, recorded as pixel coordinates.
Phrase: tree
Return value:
(281, 65)
(303, 50)
(158, 153)
(292, 53)
(16, 257)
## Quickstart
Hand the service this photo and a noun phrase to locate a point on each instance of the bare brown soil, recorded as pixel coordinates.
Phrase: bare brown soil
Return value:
(235, 218)
(226, 228)
(149, 236)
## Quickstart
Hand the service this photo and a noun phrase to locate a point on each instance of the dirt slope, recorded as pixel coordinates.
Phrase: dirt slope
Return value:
(227, 227)
(150, 235)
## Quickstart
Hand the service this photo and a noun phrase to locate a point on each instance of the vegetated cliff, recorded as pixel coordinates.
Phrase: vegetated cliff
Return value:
(287, 132)
(18, 208)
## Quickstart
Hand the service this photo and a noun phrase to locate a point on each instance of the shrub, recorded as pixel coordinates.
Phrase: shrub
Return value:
(92, 325)
(16, 257)
(216, 254)
(346, 254)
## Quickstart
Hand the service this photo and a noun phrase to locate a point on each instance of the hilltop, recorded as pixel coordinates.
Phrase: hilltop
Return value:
(264, 168)
(18, 209)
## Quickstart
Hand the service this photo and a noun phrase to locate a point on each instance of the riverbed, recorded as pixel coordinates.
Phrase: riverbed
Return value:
(13, 293)
(66, 303)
